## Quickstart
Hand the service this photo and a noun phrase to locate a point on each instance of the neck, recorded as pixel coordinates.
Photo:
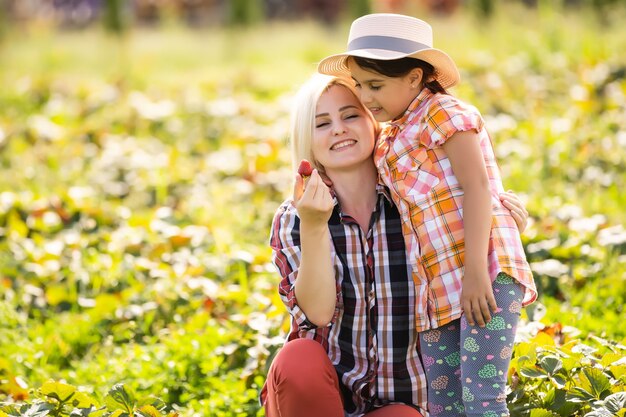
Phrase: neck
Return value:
(356, 189)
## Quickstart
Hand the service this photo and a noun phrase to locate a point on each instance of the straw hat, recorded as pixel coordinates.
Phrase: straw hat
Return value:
(387, 36)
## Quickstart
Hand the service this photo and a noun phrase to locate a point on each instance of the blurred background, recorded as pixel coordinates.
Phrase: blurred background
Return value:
(198, 13)
(144, 150)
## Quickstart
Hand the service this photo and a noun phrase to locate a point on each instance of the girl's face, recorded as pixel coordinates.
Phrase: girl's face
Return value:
(386, 97)
(344, 134)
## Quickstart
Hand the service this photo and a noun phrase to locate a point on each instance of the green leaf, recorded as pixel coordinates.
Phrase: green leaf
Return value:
(584, 349)
(542, 412)
(598, 382)
(37, 410)
(615, 402)
(155, 402)
(82, 400)
(599, 412)
(578, 395)
(526, 352)
(58, 390)
(533, 372)
(618, 371)
(556, 400)
(121, 397)
(610, 358)
(570, 363)
(551, 364)
(602, 341)
(9, 409)
(88, 412)
(148, 411)
(559, 380)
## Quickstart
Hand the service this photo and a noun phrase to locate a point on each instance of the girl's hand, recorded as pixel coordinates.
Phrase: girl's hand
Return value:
(313, 199)
(511, 201)
(477, 298)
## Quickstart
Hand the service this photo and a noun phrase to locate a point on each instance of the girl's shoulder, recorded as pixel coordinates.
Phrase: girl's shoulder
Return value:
(447, 115)
(451, 104)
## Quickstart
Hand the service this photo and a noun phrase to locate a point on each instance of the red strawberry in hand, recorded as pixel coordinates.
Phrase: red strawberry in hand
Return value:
(305, 169)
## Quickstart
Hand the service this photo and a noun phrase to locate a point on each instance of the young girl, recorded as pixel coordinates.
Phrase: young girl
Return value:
(437, 159)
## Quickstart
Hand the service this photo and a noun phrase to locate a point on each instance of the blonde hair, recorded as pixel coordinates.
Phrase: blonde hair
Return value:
(303, 115)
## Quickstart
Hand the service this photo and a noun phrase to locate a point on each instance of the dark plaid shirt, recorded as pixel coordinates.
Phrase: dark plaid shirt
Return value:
(371, 340)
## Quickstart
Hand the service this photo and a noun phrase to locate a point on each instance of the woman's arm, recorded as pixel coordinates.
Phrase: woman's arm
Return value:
(518, 211)
(315, 287)
(466, 159)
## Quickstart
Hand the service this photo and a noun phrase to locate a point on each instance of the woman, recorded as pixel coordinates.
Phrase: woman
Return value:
(352, 349)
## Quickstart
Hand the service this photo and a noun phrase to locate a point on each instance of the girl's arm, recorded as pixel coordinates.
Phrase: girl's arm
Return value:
(466, 159)
(315, 286)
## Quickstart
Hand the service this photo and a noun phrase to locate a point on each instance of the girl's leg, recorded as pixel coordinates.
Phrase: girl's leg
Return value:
(394, 410)
(486, 352)
(302, 382)
(441, 359)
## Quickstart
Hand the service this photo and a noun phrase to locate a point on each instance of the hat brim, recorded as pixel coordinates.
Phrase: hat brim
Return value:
(446, 71)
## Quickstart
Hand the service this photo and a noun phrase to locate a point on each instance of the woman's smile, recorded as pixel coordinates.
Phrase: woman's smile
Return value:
(343, 144)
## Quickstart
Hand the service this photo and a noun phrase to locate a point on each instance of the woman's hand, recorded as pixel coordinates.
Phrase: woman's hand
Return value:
(511, 201)
(312, 199)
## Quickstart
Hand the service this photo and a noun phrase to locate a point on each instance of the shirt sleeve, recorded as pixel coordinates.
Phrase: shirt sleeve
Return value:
(286, 255)
(446, 116)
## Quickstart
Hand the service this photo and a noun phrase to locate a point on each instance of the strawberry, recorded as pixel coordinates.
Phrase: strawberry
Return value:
(305, 169)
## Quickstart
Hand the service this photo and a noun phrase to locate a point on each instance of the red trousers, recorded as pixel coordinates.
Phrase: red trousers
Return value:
(302, 382)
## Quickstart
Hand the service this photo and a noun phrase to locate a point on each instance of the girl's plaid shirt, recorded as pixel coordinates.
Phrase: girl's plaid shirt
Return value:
(371, 339)
(413, 164)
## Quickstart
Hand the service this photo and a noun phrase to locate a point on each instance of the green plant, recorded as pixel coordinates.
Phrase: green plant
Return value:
(573, 379)
(57, 399)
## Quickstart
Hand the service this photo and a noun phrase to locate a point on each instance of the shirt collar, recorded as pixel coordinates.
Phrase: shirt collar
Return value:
(381, 190)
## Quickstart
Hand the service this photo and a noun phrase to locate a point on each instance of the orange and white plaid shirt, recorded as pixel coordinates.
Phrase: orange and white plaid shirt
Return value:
(412, 163)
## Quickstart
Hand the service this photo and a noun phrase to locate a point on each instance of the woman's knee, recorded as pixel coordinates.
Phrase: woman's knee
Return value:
(302, 363)
(302, 382)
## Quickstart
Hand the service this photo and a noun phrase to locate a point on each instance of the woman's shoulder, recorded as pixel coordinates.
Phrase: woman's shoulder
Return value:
(285, 225)
(286, 208)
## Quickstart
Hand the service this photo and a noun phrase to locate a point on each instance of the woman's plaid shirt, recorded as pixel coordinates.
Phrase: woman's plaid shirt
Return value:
(413, 164)
(371, 340)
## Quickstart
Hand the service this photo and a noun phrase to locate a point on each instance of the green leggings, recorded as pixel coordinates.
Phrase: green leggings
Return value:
(466, 366)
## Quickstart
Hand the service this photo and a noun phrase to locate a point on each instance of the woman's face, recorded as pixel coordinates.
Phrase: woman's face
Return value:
(343, 131)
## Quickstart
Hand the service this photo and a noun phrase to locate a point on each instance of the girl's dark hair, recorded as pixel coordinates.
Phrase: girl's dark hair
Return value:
(401, 67)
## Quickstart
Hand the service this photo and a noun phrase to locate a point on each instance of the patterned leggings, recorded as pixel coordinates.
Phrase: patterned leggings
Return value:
(466, 366)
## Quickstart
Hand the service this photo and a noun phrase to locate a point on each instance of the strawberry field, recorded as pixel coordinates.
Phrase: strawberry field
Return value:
(139, 175)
